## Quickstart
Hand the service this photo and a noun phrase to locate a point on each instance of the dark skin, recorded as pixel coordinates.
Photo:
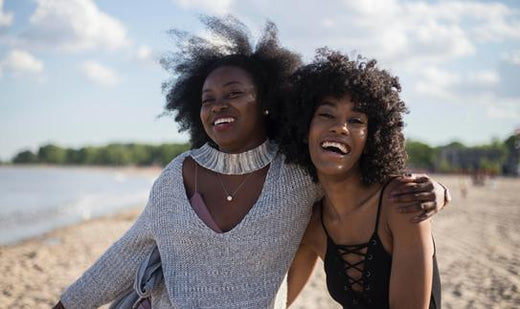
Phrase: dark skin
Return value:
(229, 92)
(226, 214)
(349, 211)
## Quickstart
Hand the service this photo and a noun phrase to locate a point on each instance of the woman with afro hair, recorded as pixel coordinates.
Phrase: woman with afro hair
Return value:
(227, 216)
(345, 124)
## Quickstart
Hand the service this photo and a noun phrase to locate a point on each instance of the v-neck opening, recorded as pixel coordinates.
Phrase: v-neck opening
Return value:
(195, 217)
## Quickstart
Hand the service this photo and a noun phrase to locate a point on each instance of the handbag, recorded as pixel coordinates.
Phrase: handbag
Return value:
(148, 276)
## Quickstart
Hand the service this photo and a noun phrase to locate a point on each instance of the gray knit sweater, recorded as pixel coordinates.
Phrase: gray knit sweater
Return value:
(245, 267)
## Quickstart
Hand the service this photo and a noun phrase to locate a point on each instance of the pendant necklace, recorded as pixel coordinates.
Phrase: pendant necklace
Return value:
(230, 196)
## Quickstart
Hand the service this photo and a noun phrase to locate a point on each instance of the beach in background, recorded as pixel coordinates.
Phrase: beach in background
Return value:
(476, 236)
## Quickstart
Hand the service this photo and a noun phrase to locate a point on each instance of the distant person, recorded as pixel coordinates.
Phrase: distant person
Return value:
(228, 215)
(347, 119)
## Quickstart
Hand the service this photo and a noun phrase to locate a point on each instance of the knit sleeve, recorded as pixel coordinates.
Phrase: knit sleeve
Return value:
(115, 270)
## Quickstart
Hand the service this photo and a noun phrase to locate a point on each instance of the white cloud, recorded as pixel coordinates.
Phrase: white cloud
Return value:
(484, 78)
(436, 83)
(213, 6)
(512, 57)
(144, 53)
(100, 74)
(20, 61)
(395, 32)
(74, 25)
(6, 18)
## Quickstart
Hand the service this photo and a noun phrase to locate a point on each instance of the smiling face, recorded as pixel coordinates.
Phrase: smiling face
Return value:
(337, 136)
(230, 113)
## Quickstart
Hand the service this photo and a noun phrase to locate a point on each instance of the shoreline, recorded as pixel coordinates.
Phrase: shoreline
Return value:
(476, 243)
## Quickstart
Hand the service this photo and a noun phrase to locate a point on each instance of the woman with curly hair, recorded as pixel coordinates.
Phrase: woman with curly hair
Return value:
(346, 118)
(227, 216)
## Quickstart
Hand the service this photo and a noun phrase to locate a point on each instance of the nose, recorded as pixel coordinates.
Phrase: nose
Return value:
(219, 105)
(340, 127)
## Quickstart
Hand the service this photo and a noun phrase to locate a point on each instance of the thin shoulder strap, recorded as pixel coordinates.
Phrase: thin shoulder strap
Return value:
(381, 202)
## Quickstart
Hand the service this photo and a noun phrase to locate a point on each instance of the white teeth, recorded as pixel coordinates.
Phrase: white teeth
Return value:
(223, 120)
(341, 147)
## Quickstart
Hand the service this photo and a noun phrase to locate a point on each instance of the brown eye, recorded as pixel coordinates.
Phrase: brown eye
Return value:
(325, 115)
(234, 94)
(206, 101)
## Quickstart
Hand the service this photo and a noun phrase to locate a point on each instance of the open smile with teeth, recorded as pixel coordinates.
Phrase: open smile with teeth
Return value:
(336, 147)
(223, 120)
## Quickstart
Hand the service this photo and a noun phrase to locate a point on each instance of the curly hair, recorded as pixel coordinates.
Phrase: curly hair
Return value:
(269, 64)
(373, 91)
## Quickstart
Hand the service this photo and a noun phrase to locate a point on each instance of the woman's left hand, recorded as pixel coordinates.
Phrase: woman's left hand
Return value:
(419, 193)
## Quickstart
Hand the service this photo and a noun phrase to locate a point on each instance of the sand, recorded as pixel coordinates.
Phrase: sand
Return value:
(477, 241)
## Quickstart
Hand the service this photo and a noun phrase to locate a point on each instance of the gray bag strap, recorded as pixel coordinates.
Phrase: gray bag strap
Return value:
(148, 276)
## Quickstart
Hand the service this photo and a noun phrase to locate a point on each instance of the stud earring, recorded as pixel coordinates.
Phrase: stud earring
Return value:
(266, 112)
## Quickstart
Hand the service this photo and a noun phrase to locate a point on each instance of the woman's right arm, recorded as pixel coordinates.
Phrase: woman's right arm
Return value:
(115, 270)
(300, 271)
(306, 257)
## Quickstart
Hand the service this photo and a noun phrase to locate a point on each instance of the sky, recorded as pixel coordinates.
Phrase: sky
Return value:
(86, 72)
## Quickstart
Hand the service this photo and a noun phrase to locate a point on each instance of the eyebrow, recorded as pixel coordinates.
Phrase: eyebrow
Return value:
(225, 85)
(333, 105)
(327, 103)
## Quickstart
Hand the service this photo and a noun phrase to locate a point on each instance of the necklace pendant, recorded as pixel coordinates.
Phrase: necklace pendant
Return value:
(229, 198)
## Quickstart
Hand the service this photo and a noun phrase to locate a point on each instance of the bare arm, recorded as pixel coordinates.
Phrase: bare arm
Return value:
(313, 242)
(412, 262)
(300, 271)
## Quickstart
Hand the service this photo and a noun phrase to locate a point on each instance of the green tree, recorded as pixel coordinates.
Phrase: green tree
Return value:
(25, 157)
(166, 152)
(114, 154)
(89, 156)
(52, 154)
(141, 154)
(420, 155)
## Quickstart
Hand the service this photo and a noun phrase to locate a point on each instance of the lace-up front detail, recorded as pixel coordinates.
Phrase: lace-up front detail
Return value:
(354, 277)
(353, 257)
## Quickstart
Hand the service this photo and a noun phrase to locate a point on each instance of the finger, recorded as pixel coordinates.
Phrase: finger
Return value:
(410, 207)
(423, 216)
(413, 197)
(422, 178)
(413, 187)
(417, 207)
(429, 206)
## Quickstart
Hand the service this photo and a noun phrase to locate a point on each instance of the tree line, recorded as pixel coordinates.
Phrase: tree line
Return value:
(112, 155)
(498, 157)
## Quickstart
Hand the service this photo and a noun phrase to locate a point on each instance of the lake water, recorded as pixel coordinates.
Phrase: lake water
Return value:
(35, 200)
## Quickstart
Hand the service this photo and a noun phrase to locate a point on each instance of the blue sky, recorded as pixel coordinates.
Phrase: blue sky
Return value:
(85, 72)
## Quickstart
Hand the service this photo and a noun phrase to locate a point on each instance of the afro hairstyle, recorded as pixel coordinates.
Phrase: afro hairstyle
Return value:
(269, 64)
(374, 92)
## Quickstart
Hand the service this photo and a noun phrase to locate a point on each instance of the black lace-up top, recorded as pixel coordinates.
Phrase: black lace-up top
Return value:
(358, 276)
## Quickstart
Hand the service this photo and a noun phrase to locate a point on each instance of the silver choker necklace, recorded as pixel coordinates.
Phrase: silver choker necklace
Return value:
(235, 163)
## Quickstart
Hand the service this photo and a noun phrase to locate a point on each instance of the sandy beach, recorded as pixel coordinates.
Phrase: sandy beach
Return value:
(477, 240)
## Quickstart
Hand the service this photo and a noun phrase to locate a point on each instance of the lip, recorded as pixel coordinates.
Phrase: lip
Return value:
(222, 126)
(332, 153)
